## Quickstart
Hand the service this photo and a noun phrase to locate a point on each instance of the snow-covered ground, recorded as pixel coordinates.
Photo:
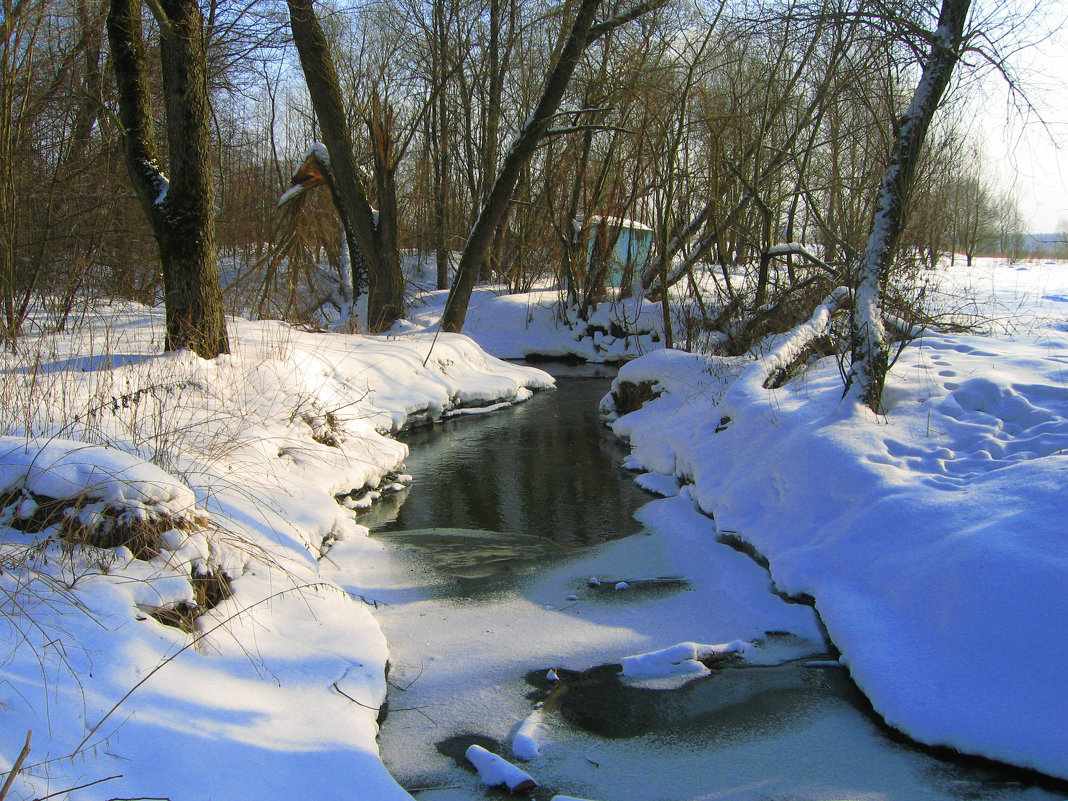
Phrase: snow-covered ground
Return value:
(931, 539)
(228, 470)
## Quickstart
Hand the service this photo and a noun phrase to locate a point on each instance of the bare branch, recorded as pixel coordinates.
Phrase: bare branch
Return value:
(601, 28)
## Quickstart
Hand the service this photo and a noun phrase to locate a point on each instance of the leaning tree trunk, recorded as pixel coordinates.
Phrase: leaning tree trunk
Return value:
(870, 350)
(496, 204)
(495, 207)
(180, 209)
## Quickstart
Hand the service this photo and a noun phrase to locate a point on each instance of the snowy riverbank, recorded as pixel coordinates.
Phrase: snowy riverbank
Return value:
(277, 686)
(931, 539)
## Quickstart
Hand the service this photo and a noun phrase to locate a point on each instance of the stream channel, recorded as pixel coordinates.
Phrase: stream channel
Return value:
(485, 584)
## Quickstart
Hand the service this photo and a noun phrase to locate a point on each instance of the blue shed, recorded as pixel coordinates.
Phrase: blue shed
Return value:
(630, 245)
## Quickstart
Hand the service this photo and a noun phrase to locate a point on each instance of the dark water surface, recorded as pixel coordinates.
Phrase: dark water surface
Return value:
(545, 468)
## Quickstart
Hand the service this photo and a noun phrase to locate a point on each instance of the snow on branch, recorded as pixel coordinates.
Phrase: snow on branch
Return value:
(798, 249)
(783, 358)
(311, 173)
(586, 127)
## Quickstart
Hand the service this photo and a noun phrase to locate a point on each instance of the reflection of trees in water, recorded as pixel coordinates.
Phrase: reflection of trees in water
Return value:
(547, 467)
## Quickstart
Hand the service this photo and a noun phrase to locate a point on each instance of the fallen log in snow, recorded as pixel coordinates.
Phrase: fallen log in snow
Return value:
(684, 658)
(497, 772)
(525, 744)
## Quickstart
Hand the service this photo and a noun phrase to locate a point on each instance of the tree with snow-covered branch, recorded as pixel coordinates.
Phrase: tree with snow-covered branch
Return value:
(371, 235)
(869, 347)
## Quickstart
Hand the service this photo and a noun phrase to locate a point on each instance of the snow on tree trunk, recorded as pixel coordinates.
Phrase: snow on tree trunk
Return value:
(870, 351)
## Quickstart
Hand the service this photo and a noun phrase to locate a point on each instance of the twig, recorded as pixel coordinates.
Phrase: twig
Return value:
(433, 342)
(418, 709)
(358, 703)
(590, 759)
(428, 789)
(413, 681)
(367, 600)
(194, 641)
(17, 766)
(79, 787)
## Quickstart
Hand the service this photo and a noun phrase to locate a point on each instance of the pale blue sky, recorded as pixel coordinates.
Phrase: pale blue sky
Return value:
(1031, 157)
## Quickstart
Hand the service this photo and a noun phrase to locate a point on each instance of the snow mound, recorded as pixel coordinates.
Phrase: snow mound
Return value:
(65, 469)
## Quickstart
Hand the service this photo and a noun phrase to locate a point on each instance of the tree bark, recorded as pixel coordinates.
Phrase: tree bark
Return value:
(869, 348)
(180, 210)
(385, 292)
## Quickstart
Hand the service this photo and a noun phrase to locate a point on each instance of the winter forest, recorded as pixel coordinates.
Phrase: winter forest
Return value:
(265, 265)
(728, 130)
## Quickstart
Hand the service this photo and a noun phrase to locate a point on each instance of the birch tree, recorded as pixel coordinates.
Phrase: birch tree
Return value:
(869, 360)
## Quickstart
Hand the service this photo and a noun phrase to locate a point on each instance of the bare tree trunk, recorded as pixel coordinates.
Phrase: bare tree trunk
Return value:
(385, 298)
(495, 207)
(441, 143)
(870, 350)
(181, 209)
(385, 292)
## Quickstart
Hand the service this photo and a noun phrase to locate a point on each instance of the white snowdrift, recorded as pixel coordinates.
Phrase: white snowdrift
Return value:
(932, 540)
(64, 469)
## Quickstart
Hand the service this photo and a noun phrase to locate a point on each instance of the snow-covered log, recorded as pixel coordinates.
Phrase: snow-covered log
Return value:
(525, 744)
(781, 362)
(497, 772)
(683, 658)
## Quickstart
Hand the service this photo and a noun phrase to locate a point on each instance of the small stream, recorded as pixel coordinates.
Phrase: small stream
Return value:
(545, 468)
(503, 559)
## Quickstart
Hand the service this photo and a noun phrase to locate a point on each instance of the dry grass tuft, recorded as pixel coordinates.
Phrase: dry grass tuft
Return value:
(93, 523)
(210, 588)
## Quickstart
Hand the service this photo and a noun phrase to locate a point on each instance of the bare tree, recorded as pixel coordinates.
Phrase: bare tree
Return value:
(869, 349)
(50, 102)
(180, 208)
(372, 236)
(495, 208)
(17, 27)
